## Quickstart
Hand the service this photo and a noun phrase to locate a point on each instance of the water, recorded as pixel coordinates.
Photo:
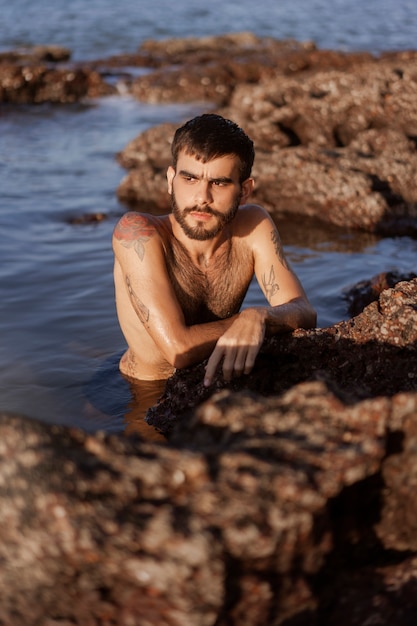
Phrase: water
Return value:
(57, 319)
(101, 27)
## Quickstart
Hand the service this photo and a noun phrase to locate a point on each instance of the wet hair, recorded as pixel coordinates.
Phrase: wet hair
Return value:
(210, 136)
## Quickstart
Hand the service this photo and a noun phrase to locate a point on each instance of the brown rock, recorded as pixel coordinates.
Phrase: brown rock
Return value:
(397, 527)
(367, 291)
(335, 134)
(261, 509)
(34, 84)
(373, 354)
(36, 54)
(88, 535)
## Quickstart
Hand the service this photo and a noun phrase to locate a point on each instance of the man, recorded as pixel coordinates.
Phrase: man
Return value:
(180, 279)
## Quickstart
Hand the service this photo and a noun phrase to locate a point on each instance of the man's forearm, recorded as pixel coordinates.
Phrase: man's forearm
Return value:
(197, 342)
(297, 313)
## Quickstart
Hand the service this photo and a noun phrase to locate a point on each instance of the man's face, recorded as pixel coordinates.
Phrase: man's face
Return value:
(205, 196)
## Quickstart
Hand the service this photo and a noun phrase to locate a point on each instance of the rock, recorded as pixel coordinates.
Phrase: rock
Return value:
(210, 68)
(147, 157)
(89, 535)
(36, 54)
(347, 122)
(374, 354)
(284, 498)
(35, 84)
(397, 527)
(367, 291)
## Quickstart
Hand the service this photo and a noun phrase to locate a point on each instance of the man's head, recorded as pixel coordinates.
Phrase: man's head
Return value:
(209, 136)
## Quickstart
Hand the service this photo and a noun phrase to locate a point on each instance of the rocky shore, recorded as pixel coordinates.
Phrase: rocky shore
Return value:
(286, 498)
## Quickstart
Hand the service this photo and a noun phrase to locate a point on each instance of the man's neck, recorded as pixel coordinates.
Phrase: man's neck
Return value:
(201, 253)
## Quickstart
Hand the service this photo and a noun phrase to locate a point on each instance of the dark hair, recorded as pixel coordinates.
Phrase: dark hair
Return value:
(210, 136)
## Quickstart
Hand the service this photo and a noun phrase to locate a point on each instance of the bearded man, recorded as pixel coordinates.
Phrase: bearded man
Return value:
(181, 278)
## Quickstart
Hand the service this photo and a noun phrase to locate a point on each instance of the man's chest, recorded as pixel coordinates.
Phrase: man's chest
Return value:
(214, 292)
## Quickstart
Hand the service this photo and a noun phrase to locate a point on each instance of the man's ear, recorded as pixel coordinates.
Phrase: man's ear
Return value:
(247, 188)
(170, 178)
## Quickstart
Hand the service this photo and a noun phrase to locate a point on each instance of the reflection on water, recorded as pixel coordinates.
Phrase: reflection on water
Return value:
(316, 236)
(121, 401)
(145, 393)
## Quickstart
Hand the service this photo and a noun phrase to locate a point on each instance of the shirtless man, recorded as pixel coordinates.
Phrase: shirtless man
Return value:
(181, 278)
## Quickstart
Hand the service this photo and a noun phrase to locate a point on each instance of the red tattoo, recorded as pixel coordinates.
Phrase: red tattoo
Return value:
(134, 230)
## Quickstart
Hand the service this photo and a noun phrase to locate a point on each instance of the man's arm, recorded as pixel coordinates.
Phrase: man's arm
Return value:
(288, 307)
(139, 250)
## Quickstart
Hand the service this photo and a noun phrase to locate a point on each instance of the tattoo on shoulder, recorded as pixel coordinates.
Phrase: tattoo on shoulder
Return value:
(134, 230)
(276, 240)
(142, 311)
(270, 284)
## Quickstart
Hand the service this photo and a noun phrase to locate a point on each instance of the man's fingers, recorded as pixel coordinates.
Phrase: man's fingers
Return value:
(251, 355)
(212, 364)
(236, 361)
(238, 348)
(229, 363)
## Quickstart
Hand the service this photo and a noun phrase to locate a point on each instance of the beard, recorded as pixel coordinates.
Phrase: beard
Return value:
(200, 232)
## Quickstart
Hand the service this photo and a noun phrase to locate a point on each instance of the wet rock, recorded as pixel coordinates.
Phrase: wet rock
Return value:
(374, 354)
(147, 158)
(335, 133)
(210, 68)
(88, 218)
(36, 54)
(35, 84)
(367, 291)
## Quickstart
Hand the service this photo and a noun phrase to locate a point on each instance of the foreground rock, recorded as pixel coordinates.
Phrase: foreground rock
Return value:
(273, 503)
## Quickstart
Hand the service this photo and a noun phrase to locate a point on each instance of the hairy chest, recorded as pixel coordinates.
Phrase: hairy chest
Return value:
(209, 293)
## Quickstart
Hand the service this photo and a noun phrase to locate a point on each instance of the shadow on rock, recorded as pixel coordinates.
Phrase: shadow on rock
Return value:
(371, 355)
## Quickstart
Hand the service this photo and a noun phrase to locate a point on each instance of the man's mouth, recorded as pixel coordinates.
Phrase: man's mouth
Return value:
(203, 213)
(202, 216)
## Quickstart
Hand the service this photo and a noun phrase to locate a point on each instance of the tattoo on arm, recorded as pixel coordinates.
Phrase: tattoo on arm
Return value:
(276, 240)
(134, 230)
(142, 311)
(270, 284)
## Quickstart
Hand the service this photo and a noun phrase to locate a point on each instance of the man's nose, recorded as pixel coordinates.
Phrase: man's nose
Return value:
(203, 193)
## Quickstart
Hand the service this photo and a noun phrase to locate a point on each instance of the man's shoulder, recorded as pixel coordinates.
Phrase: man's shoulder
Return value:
(255, 210)
(249, 216)
(134, 225)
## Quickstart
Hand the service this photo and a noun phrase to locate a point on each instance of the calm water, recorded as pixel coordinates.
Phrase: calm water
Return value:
(57, 318)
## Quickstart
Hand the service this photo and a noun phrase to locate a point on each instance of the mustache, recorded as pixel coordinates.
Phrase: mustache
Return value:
(207, 209)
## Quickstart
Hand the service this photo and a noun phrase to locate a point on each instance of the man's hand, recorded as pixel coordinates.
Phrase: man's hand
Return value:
(238, 347)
